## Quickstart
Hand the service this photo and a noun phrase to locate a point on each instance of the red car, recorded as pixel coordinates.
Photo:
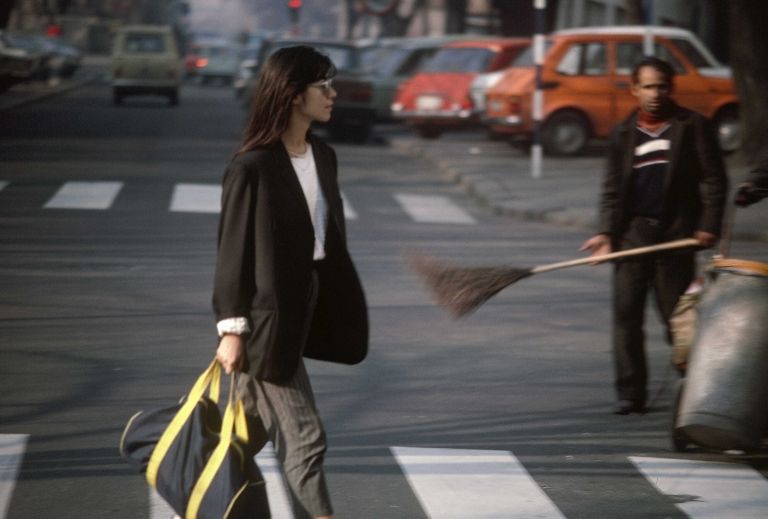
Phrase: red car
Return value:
(439, 98)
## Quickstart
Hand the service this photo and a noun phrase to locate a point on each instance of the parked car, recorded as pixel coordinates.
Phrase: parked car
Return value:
(586, 82)
(438, 98)
(145, 61)
(17, 64)
(216, 62)
(349, 119)
(397, 60)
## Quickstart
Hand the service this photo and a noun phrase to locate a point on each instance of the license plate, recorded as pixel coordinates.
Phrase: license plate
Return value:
(429, 103)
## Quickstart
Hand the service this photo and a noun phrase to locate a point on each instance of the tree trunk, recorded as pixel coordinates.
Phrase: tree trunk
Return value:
(749, 62)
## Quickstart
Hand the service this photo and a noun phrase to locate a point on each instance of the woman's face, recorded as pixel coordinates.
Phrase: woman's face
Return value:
(316, 102)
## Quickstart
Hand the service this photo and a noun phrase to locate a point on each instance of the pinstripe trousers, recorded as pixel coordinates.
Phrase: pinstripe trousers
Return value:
(287, 414)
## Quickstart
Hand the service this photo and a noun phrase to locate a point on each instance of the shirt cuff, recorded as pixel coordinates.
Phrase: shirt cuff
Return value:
(233, 325)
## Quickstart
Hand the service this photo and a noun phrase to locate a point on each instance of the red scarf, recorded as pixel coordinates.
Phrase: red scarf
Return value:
(653, 122)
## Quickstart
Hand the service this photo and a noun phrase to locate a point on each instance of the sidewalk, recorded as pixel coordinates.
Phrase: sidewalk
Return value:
(92, 68)
(499, 176)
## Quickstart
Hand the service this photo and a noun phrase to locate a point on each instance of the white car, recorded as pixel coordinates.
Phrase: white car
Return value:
(145, 61)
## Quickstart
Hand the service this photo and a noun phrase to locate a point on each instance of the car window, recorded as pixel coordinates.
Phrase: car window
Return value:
(692, 53)
(584, 59)
(144, 42)
(401, 62)
(629, 53)
(450, 59)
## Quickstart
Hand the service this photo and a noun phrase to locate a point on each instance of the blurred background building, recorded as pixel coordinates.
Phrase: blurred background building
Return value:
(90, 23)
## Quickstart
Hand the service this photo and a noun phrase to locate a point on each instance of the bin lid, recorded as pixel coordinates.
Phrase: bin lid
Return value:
(753, 267)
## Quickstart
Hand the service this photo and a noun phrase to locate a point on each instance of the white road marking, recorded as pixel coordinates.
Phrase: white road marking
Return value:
(349, 211)
(433, 209)
(707, 489)
(277, 493)
(12, 447)
(85, 195)
(158, 508)
(456, 483)
(196, 198)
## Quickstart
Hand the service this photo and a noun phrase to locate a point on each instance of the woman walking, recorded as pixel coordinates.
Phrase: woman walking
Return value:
(285, 287)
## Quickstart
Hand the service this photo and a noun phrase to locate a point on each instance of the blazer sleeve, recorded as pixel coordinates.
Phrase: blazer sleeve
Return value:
(713, 181)
(234, 279)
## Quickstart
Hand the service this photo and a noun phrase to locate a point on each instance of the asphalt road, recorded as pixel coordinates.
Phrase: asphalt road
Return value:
(106, 310)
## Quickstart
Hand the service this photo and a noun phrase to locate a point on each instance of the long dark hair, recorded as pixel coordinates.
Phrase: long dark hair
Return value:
(285, 75)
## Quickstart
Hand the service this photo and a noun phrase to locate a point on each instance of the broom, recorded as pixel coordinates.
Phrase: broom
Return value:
(461, 290)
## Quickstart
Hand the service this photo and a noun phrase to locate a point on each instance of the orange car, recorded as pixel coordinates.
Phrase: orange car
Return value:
(439, 98)
(586, 80)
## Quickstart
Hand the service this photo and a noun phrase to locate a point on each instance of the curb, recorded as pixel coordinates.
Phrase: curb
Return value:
(483, 192)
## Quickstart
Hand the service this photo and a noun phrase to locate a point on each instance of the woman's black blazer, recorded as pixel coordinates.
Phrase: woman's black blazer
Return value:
(265, 262)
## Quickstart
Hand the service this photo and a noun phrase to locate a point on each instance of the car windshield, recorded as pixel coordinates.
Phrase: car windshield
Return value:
(460, 59)
(144, 42)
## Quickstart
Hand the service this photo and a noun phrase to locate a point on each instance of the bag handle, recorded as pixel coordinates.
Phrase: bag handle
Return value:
(209, 379)
(233, 421)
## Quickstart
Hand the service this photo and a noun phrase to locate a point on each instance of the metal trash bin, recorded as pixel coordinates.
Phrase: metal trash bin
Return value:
(724, 404)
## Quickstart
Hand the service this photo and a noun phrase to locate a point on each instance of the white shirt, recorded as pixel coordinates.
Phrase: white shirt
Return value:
(306, 171)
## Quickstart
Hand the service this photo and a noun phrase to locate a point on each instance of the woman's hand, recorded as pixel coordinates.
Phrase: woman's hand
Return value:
(231, 353)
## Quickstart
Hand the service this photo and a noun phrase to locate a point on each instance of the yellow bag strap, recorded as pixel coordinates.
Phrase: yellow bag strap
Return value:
(234, 417)
(209, 379)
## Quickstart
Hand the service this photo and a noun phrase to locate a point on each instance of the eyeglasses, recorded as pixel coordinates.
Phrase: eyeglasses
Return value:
(326, 86)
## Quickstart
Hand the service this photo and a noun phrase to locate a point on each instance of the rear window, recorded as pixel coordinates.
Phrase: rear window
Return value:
(693, 54)
(144, 43)
(525, 59)
(401, 62)
(460, 60)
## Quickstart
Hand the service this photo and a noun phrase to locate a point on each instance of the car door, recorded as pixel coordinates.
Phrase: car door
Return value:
(581, 81)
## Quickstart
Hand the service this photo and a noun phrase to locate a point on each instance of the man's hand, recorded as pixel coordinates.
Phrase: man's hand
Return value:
(706, 239)
(230, 353)
(597, 245)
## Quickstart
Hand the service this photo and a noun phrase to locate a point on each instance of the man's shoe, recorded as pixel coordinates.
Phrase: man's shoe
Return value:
(624, 407)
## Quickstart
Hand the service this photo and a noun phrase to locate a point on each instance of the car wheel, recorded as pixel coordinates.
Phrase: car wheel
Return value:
(728, 129)
(565, 133)
(428, 132)
(117, 98)
(173, 98)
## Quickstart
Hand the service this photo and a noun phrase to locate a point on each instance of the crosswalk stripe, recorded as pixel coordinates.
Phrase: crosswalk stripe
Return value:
(277, 493)
(458, 483)
(433, 209)
(349, 211)
(158, 508)
(196, 198)
(85, 195)
(707, 489)
(12, 448)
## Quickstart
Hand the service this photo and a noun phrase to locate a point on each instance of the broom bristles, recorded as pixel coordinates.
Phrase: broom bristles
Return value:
(461, 290)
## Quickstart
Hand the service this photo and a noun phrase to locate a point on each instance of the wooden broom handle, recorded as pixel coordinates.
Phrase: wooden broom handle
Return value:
(639, 251)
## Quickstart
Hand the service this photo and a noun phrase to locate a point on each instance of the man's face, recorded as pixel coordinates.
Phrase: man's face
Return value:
(652, 90)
